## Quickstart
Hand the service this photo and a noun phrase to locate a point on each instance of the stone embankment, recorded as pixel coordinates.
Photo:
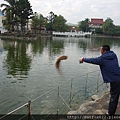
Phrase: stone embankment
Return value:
(22, 36)
(18, 38)
(98, 105)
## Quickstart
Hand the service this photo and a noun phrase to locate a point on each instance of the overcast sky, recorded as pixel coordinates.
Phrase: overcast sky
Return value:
(76, 10)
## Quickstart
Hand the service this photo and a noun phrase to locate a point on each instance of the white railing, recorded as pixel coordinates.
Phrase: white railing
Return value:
(72, 34)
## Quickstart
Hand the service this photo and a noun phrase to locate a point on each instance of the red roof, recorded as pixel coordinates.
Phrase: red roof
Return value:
(97, 21)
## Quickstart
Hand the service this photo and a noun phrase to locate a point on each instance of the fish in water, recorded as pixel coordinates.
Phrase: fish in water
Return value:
(59, 59)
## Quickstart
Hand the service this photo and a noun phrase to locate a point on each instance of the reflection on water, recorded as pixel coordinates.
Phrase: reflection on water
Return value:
(17, 61)
(28, 70)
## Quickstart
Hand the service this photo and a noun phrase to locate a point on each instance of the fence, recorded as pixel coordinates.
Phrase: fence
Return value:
(63, 98)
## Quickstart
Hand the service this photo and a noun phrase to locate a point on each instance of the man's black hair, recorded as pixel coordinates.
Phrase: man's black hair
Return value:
(106, 47)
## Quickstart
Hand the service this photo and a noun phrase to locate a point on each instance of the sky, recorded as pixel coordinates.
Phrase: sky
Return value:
(77, 10)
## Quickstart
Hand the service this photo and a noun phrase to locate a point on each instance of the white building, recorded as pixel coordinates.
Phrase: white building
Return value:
(1, 17)
(1, 22)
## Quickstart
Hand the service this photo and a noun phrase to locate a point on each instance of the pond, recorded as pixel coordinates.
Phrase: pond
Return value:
(28, 71)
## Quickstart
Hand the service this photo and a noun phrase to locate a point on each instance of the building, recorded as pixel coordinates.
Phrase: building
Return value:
(2, 30)
(73, 29)
(96, 23)
(1, 17)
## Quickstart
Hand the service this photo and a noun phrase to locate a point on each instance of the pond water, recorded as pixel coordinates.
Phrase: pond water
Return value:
(28, 71)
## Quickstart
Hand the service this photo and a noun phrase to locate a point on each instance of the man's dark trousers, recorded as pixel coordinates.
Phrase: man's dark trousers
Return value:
(114, 92)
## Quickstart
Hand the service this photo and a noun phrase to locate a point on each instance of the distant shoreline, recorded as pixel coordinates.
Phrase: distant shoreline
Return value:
(23, 37)
(105, 36)
(35, 37)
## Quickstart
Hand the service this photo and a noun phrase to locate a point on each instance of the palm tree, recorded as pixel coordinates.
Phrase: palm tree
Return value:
(24, 12)
(16, 12)
(9, 11)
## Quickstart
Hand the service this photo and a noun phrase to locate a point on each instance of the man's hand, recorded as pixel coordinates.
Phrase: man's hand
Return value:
(81, 61)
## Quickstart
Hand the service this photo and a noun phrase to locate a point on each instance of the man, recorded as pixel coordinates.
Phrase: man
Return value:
(110, 71)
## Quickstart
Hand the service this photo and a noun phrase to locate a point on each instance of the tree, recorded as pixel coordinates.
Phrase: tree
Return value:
(50, 20)
(117, 30)
(41, 21)
(84, 25)
(35, 22)
(24, 12)
(9, 11)
(108, 27)
(16, 11)
(38, 22)
(59, 24)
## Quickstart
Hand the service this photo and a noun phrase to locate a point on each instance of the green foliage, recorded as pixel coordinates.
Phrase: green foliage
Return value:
(9, 11)
(23, 11)
(108, 27)
(84, 25)
(38, 21)
(99, 30)
(59, 24)
(16, 12)
(35, 21)
(50, 20)
(117, 30)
